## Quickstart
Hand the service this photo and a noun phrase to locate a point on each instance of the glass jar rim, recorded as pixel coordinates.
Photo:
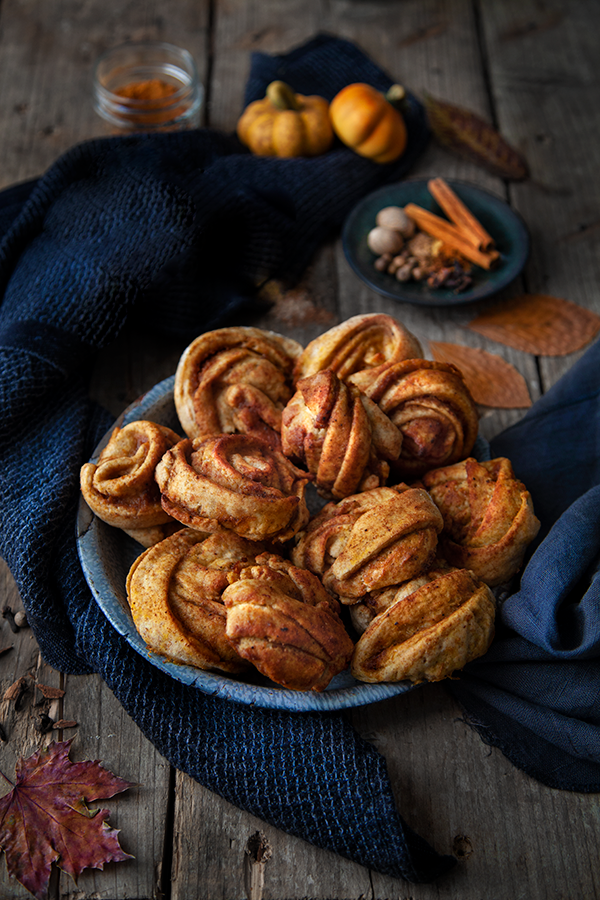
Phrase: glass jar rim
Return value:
(141, 104)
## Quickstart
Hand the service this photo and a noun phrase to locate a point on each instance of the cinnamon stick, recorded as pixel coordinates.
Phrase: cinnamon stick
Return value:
(460, 214)
(451, 235)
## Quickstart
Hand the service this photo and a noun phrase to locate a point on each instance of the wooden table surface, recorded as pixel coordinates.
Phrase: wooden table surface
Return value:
(529, 66)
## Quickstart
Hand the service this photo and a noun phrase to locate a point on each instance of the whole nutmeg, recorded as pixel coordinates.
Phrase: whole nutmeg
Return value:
(384, 240)
(395, 218)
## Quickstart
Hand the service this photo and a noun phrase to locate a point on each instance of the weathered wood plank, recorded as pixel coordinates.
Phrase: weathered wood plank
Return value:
(20, 713)
(543, 66)
(106, 732)
(290, 872)
(47, 53)
(450, 787)
(433, 47)
(43, 112)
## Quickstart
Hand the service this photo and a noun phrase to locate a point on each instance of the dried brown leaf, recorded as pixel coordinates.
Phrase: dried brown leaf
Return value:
(65, 723)
(462, 131)
(539, 324)
(16, 689)
(50, 693)
(491, 380)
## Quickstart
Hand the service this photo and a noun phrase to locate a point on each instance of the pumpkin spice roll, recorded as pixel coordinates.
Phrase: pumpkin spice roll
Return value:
(236, 482)
(488, 517)
(235, 380)
(120, 487)
(175, 592)
(282, 620)
(371, 540)
(433, 627)
(361, 342)
(432, 407)
(342, 437)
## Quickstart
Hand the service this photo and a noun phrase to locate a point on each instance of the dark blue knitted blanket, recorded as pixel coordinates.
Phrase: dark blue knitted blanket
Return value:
(124, 224)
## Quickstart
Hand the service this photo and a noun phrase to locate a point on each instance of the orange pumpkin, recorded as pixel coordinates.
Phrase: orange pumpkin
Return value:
(364, 119)
(286, 124)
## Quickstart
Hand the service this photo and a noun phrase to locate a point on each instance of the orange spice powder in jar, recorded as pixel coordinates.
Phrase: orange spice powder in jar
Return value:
(152, 93)
(147, 86)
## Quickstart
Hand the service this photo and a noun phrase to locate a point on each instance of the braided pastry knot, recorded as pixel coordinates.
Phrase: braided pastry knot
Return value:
(488, 517)
(236, 482)
(370, 540)
(235, 380)
(432, 627)
(430, 404)
(341, 436)
(120, 487)
(361, 342)
(282, 620)
(174, 591)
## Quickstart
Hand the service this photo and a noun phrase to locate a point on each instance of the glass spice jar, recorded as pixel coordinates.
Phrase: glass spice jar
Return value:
(147, 86)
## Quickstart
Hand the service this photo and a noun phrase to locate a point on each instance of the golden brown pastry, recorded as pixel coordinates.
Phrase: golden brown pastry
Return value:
(361, 342)
(488, 517)
(282, 620)
(120, 487)
(364, 611)
(341, 436)
(428, 632)
(174, 591)
(236, 482)
(235, 380)
(431, 405)
(370, 540)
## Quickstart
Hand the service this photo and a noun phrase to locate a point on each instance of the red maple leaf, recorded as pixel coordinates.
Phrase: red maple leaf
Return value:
(45, 818)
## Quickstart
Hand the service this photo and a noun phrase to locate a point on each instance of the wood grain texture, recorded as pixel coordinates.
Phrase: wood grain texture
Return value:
(532, 68)
(543, 71)
(47, 53)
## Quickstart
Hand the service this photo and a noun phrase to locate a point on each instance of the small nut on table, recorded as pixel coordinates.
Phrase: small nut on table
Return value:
(384, 240)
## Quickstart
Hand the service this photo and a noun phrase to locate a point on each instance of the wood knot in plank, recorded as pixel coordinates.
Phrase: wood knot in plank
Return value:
(462, 847)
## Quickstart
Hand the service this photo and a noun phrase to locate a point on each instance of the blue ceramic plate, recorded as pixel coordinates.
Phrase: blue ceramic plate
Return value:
(503, 224)
(106, 556)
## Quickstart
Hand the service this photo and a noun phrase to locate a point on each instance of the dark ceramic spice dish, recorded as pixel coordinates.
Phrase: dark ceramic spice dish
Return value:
(504, 225)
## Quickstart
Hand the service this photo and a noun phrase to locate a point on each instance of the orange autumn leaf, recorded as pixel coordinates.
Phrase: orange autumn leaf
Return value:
(491, 380)
(539, 324)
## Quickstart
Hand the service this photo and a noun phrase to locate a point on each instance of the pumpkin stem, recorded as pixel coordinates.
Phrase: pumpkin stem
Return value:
(282, 96)
(396, 95)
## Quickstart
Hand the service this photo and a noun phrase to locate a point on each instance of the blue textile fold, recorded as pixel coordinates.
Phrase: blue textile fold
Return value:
(536, 693)
(124, 225)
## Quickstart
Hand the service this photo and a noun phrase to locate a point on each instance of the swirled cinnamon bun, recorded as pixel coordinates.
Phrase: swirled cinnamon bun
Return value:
(235, 380)
(175, 594)
(364, 611)
(341, 436)
(120, 487)
(282, 620)
(428, 632)
(361, 342)
(431, 405)
(488, 517)
(370, 540)
(236, 482)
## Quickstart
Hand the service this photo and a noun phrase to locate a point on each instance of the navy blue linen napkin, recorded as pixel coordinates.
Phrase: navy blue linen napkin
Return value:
(124, 225)
(536, 693)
